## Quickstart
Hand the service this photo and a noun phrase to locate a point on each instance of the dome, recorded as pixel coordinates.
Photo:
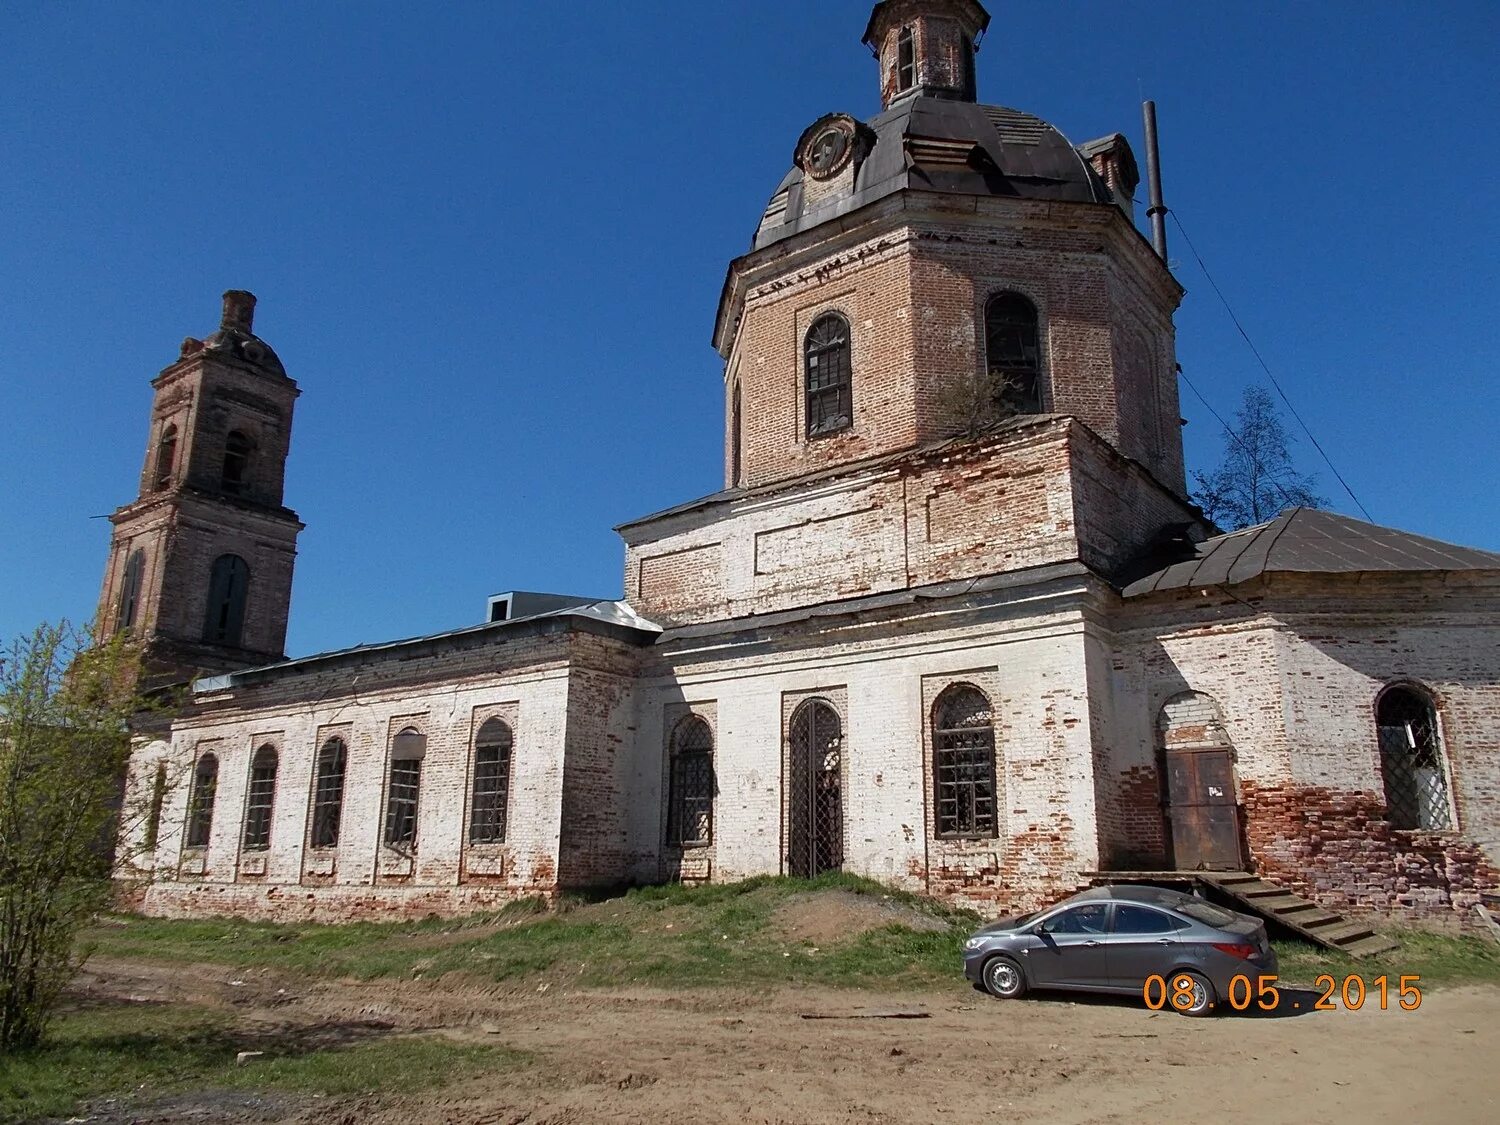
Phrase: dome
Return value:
(943, 145)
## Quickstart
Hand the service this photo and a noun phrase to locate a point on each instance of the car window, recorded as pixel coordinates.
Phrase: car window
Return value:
(1089, 919)
(1206, 912)
(1142, 920)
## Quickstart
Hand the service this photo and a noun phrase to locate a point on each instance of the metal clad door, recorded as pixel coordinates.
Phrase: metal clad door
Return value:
(1202, 810)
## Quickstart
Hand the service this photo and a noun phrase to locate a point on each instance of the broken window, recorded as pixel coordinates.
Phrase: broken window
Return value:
(735, 438)
(228, 583)
(200, 818)
(260, 799)
(130, 589)
(690, 800)
(906, 60)
(166, 458)
(407, 751)
(236, 471)
(827, 355)
(487, 806)
(1416, 785)
(963, 759)
(328, 793)
(1013, 353)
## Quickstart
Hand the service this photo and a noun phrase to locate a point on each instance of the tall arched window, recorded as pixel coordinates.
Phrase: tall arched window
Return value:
(906, 60)
(815, 798)
(166, 458)
(487, 805)
(228, 584)
(690, 797)
(261, 797)
(328, 793)
(1013, 352)
(200, 818)
(130, 589)
(829, 369)
(153, 811)
(1411, 758)
(736, 436)
(963, 763)
(407, 751)
(237, 449)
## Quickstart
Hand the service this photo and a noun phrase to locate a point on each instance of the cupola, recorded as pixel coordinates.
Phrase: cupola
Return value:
(926, 48)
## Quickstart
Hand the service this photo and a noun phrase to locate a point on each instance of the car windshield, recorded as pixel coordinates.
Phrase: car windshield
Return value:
(1207, 912)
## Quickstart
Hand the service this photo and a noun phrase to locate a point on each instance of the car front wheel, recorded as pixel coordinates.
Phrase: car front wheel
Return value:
(1003, 978)
(1196, 990)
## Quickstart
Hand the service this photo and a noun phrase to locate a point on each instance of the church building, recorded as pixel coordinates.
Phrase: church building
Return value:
(952, 623)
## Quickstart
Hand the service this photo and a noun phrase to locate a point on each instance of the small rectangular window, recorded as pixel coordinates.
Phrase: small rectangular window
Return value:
(401, 806)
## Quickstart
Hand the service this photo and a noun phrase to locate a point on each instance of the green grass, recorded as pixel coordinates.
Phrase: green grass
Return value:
(721, 934)
(148, 1051)
(1439, 959)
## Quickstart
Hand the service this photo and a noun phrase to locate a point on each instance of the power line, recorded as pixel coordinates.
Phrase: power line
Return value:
(1292, 502)
(1266, 368)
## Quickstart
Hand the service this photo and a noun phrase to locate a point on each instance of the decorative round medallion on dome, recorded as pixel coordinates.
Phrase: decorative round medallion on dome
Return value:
(827, 146)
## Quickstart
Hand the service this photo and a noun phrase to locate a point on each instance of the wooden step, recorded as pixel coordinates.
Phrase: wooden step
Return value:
(1342, 935)
(1369, 946)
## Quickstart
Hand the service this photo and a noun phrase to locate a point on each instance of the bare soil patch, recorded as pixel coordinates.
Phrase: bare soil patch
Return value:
(645, 1055)
(829, 916)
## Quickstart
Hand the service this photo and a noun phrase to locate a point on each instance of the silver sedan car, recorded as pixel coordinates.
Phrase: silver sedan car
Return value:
(1114, 939)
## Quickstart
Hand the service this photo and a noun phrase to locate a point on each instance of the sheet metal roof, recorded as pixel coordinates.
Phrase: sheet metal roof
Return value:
(1305, 541)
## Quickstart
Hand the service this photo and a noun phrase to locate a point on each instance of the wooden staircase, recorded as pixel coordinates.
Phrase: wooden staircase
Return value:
(1298, 914)
(1259, 895)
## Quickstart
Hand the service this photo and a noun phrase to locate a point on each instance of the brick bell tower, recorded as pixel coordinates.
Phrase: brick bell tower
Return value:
(200, 563)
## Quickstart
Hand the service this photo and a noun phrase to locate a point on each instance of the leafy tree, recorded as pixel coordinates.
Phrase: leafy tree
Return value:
(1256, 481)
(65, 710)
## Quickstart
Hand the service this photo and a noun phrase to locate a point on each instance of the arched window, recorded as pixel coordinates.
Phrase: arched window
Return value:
(829, 369)
(1416, 786)
(200, 818)
(492, 747)
(815, 800)
(966, 63)
(963, 762)
(130, 589)
(236, 474)
(328, 793)
(690, 798)
(906, 60)
(736, 437)
(228, 583)
(1013, 351)
(261, 797)
(166, 457)
(407, 751)
(153, 813)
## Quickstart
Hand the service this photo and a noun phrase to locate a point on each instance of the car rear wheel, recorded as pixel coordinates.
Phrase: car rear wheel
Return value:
(1198, 990)
(1003, 978)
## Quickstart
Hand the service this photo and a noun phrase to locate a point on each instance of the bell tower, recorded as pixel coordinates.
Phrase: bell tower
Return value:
(926, 47)
(200, 563)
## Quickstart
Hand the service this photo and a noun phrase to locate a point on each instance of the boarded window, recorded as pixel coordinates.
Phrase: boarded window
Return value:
(130, 589)
(200, 819)
(236, 473)
(328, 793)
(690, 800)
(228, 584)
(166, 458)
(492, 750)
(260, 799)
(407, 751)
(906, 60)
(829, 370)
(1416, 786)
(963, 759)
(1013, 350)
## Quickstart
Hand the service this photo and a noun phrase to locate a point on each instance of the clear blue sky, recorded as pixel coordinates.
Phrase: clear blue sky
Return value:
(488, 240)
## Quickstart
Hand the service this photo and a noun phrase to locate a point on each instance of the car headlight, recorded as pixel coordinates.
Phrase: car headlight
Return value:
(973, 942)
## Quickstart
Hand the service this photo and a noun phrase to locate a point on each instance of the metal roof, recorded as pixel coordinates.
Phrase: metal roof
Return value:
(1304, 541)
(945, 145)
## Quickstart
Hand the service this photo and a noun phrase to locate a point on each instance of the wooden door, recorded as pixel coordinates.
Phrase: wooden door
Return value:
(1201, 810)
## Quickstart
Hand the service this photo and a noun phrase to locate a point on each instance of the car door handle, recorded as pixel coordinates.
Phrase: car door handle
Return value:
(1092, 942)
(1163, 941)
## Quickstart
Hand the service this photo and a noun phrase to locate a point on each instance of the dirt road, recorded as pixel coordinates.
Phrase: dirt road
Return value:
(723, 1056)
